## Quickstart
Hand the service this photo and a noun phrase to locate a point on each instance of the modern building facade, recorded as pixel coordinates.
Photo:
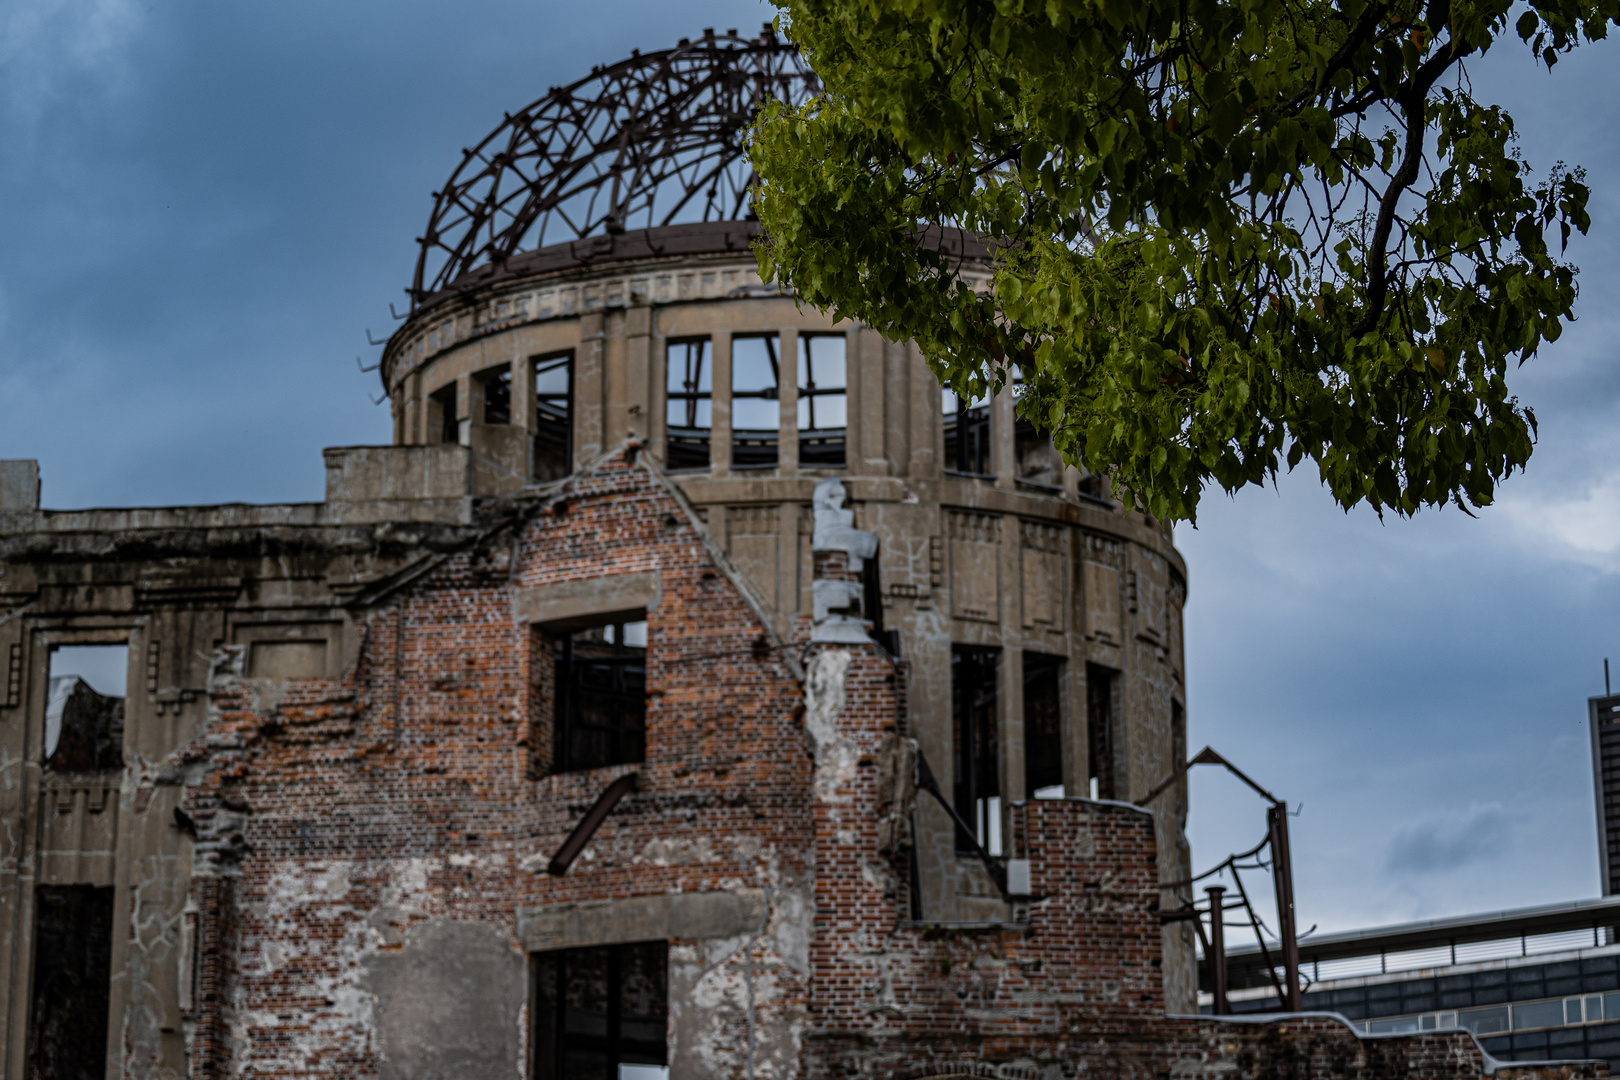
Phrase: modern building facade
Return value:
(1531, 983)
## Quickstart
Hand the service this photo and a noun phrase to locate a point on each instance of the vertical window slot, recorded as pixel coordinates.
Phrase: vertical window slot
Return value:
(689, 395)
(974, 740)
(756, 412)
(823, 400)
(553, 417)
(1043, 726)
(967, 434)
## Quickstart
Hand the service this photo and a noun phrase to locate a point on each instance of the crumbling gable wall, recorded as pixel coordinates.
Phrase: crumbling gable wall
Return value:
(379, 829)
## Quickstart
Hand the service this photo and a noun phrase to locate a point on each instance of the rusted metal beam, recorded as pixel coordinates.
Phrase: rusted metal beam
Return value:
(592, 821)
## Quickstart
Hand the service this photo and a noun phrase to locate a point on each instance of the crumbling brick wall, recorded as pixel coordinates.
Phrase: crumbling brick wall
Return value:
(1074, 988)
(404, 808)
(366, 845)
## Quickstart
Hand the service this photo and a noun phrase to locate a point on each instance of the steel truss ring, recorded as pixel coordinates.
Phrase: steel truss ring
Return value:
(656, 139)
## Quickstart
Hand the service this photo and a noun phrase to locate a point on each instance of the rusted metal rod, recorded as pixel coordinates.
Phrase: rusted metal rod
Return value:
(1282, 875)
(1217, 949)
(588, 825)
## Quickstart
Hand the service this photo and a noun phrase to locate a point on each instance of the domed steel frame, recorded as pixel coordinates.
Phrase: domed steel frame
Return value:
(653, 140)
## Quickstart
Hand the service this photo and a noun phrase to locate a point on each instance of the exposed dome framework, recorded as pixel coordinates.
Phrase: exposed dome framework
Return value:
(653, 140)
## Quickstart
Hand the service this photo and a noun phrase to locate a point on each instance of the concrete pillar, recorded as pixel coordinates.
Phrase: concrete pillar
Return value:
(897, 411)
(867, 404)
(588, 361)
(638, 365)
(787, 389)
(469, 406)
(1071, 483)
(616, 388)
(927, 449)
(523, 408)
(1003, 462)
(720, 406)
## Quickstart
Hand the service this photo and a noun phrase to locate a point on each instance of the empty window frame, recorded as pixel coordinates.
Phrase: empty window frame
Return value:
(967, 434)
(442, 409)
(498, 396)
(84, 711)
(67, 1029)
(553, 416)
(756, 411)
(1100, 731)
(974, 742)
(596, 1009)
(689, 400)
(1043, 726)
(823, 400)
(602, 692)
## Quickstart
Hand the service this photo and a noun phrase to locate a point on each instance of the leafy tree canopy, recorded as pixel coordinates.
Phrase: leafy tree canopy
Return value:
(1231, 234)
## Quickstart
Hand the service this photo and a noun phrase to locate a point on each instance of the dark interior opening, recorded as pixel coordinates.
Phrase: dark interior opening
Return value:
(444, 400)
(498, 397)
(1043, 726)
(554, 417)
(967, 435)
(978, 772)
(598, 1008)
(602, 687)
(1100, 729)
(67, 1024)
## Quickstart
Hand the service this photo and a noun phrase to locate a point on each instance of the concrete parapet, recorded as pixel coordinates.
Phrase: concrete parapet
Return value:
(371, 484)
(389, 473)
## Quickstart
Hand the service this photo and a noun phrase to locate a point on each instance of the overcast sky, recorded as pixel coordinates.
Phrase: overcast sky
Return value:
(206, 207)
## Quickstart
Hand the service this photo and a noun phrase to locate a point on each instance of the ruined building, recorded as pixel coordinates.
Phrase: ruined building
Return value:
(597, 724)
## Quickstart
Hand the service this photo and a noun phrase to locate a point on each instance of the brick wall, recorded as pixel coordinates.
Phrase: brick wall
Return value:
(364, 842)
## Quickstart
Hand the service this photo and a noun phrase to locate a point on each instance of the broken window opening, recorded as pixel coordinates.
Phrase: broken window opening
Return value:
(84, 726)
(1043, 726)
(967, 435)
(498, 397)
(690, 393)
(602, 684)
(872, 602)
(1092, 486)
(823, 400)
(67, 1023)
(756, 411)
(1100, 730)
(597, 1010)
(443, 401)
(553, 416)
(974, 741)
